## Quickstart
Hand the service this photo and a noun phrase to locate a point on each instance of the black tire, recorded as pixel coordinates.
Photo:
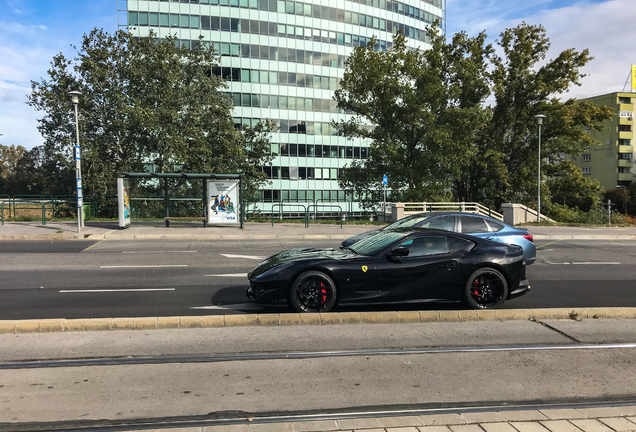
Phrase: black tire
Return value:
(312, 291)
(486, 288)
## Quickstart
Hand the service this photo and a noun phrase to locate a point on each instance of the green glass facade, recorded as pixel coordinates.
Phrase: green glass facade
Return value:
(283, 60)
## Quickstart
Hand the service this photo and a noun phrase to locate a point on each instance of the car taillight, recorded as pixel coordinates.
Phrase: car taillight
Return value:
(528, 237)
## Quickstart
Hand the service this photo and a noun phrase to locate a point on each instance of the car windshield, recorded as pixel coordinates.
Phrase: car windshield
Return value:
(373, 245)
(407, 222)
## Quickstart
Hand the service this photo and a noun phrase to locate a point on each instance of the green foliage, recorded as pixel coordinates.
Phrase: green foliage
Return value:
(421, 111)
(144, 101)
(566, 184)
(508, 149)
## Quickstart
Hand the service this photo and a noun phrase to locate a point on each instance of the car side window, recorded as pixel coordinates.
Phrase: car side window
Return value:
(428, 245)
(455, 244)
(473, 225)
(495, 226)
(443, 223)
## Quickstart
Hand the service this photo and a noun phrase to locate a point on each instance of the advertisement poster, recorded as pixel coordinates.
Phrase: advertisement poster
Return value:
(123, 202)
(223, 202)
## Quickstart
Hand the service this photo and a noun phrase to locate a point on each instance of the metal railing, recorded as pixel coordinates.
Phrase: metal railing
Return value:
(462, 207)
(32, 203)
(321, 206)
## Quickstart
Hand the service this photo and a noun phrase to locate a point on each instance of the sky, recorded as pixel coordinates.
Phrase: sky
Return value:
(33, 31)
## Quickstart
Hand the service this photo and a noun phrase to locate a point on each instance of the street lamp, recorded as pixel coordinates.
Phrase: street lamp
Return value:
(625, 201)
(78, 170)
(539, 118)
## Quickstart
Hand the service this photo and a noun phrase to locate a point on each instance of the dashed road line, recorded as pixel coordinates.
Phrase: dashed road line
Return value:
(117, 290)
(252, 257)
(144, 266)
(241, 275)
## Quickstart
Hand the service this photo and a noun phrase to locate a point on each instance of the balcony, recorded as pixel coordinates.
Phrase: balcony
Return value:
(625, 177)
(625, 163)
(625, 149)
(625, 135)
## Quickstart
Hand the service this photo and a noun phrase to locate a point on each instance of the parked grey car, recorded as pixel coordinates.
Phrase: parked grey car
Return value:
(466, 223)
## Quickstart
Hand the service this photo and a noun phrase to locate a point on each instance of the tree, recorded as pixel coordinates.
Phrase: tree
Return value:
(144, 101)
(422, 111)
(507, 151)
(567, 185)
(9, 157)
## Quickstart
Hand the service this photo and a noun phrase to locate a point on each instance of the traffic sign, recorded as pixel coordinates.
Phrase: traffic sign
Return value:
(385, 180)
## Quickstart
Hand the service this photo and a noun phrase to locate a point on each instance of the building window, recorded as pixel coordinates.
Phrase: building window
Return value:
(624, 142)
(586, 158)
(586, 170)
(623, 170)
(624, 128)
(625, 156)
(624, 100)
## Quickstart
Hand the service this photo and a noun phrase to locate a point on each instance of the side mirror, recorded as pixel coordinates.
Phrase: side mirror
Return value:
(399, 251)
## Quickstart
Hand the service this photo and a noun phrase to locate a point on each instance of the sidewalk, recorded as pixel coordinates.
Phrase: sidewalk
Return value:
(196, 231)
(603, 419)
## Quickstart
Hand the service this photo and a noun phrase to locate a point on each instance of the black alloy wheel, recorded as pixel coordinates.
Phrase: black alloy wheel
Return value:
(486, 288)
(313, 291)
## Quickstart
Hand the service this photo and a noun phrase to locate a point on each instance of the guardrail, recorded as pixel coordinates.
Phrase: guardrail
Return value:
(41, 204)
(462, 207)
(321, 205)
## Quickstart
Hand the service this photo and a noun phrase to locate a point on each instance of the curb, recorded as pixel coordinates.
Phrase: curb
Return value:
(288, 319)
(118, 236)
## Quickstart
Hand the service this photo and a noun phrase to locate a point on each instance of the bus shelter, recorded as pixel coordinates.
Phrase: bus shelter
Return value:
(222, 195)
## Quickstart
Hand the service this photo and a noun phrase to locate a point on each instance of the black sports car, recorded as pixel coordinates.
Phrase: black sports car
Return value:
(397, 266)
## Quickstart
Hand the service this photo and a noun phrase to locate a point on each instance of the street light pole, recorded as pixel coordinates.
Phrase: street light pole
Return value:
(78, 169)
(539, 118)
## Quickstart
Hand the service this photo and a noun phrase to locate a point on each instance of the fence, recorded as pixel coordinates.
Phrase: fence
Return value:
(152, 207)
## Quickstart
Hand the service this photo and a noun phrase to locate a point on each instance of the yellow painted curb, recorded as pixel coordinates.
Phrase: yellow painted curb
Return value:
(290, 319)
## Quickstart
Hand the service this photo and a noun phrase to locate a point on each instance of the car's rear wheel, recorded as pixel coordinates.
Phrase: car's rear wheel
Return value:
(313, 291)
(486, 288)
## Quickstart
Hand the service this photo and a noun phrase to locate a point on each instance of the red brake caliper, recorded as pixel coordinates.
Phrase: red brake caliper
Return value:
(324, 293)
(475, 285)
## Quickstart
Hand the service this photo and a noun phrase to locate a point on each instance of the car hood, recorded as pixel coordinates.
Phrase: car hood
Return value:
(356, 238)
(295, 255)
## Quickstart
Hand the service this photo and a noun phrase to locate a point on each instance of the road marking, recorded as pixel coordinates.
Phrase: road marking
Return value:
(241, 275)
(95, 244)
(188, 251)
(582, 263)
(238, 306)
(253, 257)
(548, 244)
(118, 290)
(144, 266)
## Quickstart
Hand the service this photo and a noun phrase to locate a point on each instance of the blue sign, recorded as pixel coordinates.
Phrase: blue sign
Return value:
(385, 180)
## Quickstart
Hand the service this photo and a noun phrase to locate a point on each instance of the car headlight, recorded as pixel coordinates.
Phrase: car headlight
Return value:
(275, 270)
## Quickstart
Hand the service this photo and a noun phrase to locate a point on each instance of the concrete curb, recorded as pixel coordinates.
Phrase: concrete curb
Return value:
(116, 235)
(288, 319)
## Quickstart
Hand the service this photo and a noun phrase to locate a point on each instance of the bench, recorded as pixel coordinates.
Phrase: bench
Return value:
(169, 218)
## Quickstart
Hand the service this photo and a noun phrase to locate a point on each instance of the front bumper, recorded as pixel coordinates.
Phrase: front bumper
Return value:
(265, 293)
(524, 287)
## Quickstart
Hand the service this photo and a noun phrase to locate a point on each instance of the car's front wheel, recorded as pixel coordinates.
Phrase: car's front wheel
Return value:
(486, 288)
(313, 291)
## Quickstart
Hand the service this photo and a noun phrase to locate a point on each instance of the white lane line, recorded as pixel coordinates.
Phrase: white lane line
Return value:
(238, 306)
(118, 290)
(241, 275)
(253, 257)
(144, 252)
(583, 263)
(144, 266)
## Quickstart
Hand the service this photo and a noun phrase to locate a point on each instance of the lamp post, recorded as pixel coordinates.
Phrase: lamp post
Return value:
(539, 118)
(78, 169)
(625, 201)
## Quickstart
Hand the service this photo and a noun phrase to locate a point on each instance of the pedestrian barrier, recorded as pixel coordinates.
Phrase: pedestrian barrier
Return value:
(292, 204)
(15, 206)
(321, 205)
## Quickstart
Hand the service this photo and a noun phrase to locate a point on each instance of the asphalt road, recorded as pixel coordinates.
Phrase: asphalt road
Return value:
(80, 279)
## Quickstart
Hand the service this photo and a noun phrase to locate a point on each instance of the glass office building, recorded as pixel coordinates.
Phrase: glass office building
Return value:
(283, 60)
